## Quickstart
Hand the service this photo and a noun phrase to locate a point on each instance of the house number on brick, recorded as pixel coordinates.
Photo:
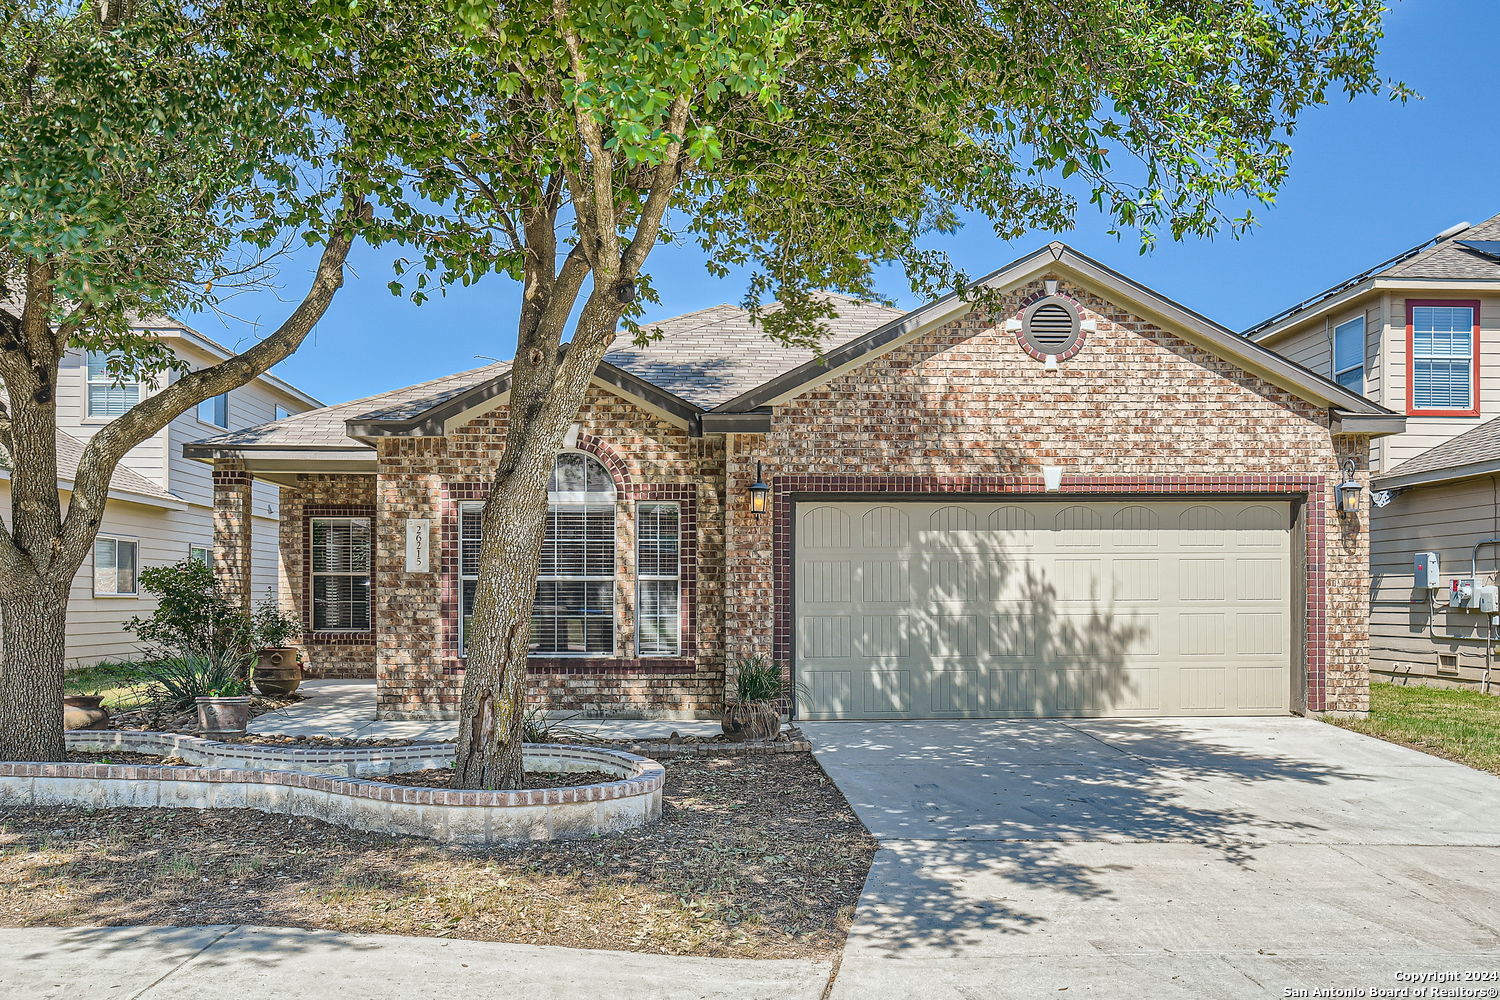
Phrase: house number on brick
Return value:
(418, 544)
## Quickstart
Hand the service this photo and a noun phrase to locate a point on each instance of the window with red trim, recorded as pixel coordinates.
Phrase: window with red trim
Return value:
(1442, 341)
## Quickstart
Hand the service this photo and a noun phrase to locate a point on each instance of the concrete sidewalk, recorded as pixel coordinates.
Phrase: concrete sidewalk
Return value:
(346, 709)
(178, 963)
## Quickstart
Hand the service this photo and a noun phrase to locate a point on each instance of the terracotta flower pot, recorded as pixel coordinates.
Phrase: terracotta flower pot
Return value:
(223, 716)
(84, 711)
(751, 720)
(278, 671)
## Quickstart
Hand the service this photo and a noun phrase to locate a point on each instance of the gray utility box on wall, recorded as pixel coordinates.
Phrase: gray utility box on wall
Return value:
(1425, 570)
(1468, 595)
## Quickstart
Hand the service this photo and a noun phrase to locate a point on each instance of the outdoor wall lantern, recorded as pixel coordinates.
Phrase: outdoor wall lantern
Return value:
(1349, 490)
(759, 492)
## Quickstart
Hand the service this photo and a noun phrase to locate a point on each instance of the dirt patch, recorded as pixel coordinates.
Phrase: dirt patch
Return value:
(754, 858)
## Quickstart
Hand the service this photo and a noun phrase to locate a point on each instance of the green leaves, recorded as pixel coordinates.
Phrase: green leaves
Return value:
(147, 163)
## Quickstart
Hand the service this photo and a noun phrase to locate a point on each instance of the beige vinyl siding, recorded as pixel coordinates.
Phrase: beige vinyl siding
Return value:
(149, 458)
(95, 623)
(1447, 519)
(1311, 347)
(1422, 432)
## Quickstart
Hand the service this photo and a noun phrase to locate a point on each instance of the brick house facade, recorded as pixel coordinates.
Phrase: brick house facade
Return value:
(1149, 404)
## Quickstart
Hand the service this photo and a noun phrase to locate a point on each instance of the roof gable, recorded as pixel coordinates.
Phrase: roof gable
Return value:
(1058, 258)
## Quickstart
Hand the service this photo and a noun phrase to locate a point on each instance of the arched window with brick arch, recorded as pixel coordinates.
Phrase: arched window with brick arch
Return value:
(574, 613)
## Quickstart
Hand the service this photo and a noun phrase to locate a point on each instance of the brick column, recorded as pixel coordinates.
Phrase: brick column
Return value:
(232, 527)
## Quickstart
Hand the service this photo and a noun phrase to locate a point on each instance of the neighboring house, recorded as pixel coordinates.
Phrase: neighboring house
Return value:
(1420, 334)
(1091, 501)
(161, 508)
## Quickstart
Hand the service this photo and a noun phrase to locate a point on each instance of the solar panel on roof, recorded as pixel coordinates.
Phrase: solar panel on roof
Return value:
(1489, 248)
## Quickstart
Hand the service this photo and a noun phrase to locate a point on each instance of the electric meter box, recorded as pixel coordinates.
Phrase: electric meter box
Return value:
(1425, 566)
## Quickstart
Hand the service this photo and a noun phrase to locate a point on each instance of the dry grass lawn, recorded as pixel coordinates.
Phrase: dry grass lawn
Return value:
(757, 857)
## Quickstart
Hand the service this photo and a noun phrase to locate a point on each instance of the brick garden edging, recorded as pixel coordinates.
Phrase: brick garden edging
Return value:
(349, 762)
(473, 817)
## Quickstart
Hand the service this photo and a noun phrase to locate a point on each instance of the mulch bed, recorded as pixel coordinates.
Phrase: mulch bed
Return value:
(754, 858)
(276, 740)
(159, 719)
(119, 757)
(442, 777)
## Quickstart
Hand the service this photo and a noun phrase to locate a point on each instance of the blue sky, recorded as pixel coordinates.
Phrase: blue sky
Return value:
(1368, 179)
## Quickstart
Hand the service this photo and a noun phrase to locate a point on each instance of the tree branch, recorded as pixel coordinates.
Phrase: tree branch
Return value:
(108, 446)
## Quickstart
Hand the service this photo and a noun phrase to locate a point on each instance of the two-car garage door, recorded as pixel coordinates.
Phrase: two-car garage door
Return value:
(916, 609)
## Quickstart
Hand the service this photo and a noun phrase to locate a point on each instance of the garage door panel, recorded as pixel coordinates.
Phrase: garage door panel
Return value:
(963, 609)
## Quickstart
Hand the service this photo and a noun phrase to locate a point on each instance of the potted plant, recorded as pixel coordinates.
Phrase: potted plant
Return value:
(213, 684)
(754, 714)
(224, 710)
(278, 666)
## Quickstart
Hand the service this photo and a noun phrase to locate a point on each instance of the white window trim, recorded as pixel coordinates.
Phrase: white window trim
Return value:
(312, 577)
(1338, 372)
(94, 566)
(141, 391)
(658, 578)
(208, 551)
(198, 412)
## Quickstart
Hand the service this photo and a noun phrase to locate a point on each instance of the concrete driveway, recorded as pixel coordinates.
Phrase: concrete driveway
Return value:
(1161, 858)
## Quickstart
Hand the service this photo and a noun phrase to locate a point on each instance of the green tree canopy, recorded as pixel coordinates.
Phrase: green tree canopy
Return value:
(158, 156)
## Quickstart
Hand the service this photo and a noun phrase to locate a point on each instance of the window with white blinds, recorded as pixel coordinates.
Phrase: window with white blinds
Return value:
(340, 566)
(114, 567)
(108, 396)
(1442, 357)
(574, 613)
(1349, 355)
(658, 564)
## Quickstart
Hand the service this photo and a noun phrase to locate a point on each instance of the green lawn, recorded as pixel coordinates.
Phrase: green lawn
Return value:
(122, 684)
(1459, 725)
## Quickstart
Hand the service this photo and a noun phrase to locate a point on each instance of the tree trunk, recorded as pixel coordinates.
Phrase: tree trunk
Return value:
(32, 626)
(493, 707)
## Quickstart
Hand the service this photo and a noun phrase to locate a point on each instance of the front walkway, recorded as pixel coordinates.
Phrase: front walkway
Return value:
(1170, 858)
(187, 963)
(347, 709)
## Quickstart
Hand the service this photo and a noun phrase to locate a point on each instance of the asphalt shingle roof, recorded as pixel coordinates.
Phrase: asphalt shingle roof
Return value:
(1449, 259)
(711, 356)
(705, 357)
(70, 452)
(1479, 444)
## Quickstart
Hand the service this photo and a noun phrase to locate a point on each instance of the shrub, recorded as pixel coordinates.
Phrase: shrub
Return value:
(184, 678)
(272, 627)
(195, 616)
(759, 680)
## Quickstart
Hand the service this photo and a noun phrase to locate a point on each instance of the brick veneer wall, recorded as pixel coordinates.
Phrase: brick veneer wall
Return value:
(324, 654)
(1135, 406)
(417, 661)
(233, 525)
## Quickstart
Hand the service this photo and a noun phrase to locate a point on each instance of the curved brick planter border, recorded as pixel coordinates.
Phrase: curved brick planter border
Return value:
(474, 817)
(352, 762)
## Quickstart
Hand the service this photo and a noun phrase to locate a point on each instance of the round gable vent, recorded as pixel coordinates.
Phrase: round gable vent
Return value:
(1051, 327)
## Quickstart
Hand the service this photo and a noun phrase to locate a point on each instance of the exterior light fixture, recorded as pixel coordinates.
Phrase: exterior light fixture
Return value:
(1349, 490)
(759, 493)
